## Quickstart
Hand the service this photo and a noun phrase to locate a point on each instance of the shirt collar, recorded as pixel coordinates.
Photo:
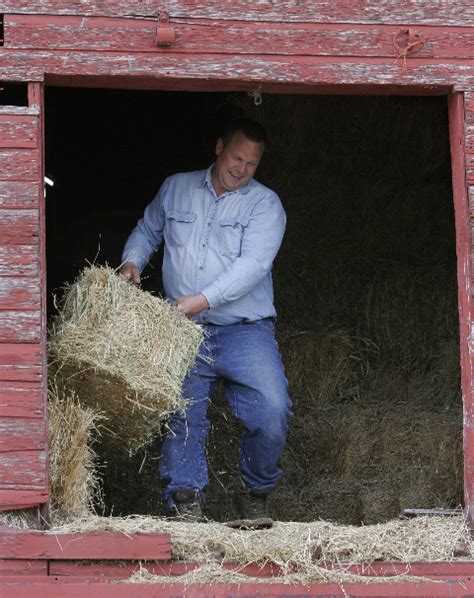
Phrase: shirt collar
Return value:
(207, 180)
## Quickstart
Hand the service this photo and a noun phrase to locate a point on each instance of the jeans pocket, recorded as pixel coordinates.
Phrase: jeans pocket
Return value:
(179, 227)
(230, 237)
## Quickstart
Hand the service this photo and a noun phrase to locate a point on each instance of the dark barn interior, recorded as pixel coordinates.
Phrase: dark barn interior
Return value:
(365, 283)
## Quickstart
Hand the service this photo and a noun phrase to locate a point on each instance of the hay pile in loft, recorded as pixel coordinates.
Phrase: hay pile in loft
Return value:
(124, 352)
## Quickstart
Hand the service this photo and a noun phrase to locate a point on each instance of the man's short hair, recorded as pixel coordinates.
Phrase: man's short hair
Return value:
(250, 128)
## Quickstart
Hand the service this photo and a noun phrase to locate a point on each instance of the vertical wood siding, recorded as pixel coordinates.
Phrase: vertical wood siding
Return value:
(23, 438)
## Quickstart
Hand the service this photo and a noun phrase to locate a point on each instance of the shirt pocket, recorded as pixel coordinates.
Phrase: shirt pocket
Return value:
(179, 225)
(230, 233)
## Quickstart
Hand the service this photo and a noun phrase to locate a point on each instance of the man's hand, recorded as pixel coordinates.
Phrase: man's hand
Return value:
(130, 272)
(191, 305)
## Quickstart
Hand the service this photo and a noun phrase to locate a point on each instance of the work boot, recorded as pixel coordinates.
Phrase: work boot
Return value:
(253, 509)
(187, 505)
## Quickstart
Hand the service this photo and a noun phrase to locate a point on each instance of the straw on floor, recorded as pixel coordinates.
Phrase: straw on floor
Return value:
(301, 550)
(124, 352)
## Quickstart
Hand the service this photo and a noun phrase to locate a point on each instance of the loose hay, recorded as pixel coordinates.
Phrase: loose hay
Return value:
(74, 479)
(124, 352)
(300, 550)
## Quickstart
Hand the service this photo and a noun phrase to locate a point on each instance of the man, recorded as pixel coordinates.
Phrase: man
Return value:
(222, 231)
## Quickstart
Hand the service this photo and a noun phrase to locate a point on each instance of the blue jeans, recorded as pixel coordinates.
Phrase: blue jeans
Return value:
(246, 357)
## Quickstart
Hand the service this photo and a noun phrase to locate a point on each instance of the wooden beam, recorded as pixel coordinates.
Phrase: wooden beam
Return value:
(91, 545)
(92, 570)
(464, 273)
(53, 588)
(198, 36)
(248, 69)
(404, 12)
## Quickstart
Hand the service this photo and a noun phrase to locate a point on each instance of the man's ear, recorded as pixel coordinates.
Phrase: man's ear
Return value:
(219, 146)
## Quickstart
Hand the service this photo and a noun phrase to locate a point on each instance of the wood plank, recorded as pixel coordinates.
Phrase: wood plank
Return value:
(19, 194)
(404, 12)
(22, 434)
(19, 260)
(19, 293)
(231, 37)
(19, 165)
(23, 470)
(20, 326)
(19, 110)
(90, 570)
(469, 107)
(21, 499)
(220, 69)
(18, 131)
(22, 399)
(20, 362)
(16, 567)
(53, 588)
(19, 227)
(456, 112)
(469, 139)
(92, 545)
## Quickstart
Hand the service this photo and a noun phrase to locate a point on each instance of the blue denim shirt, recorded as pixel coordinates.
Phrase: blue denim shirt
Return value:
(222, 247)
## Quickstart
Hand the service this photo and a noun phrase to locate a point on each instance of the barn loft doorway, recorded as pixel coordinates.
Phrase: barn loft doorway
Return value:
(365, 283)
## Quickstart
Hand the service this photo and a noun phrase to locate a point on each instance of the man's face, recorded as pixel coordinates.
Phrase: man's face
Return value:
(236, 163)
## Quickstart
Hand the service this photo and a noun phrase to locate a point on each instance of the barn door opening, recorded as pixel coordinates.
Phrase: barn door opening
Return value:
(365, 283)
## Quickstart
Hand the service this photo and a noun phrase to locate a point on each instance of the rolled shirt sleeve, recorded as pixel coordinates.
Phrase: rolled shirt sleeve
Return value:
(261, 240)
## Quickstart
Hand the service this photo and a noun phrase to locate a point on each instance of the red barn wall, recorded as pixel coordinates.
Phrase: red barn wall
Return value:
(409, 47)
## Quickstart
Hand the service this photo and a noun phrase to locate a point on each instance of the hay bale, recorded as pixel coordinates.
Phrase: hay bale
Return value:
(74, 479)
(124, 352)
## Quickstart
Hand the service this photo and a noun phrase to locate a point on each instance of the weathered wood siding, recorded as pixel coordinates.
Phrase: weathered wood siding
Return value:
(23, 438)
(289, 46)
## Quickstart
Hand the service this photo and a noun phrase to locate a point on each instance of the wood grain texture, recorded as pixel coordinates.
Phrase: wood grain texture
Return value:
(22, 434)
(90, 570)
(19, 293)
(19, 194)
(20, 362)
(22, 470)
(18, 131)
(20, 326)
(245, 71)
(19, 227)
(21, 399)
(91, 545)
(19, 260)
(456, 111)
(231, 37)
(324, 11)
(19, 165)
(21, 499)
(16, 567)
(53, 588)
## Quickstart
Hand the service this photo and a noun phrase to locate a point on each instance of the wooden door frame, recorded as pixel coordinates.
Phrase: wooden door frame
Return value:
(463, 241)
